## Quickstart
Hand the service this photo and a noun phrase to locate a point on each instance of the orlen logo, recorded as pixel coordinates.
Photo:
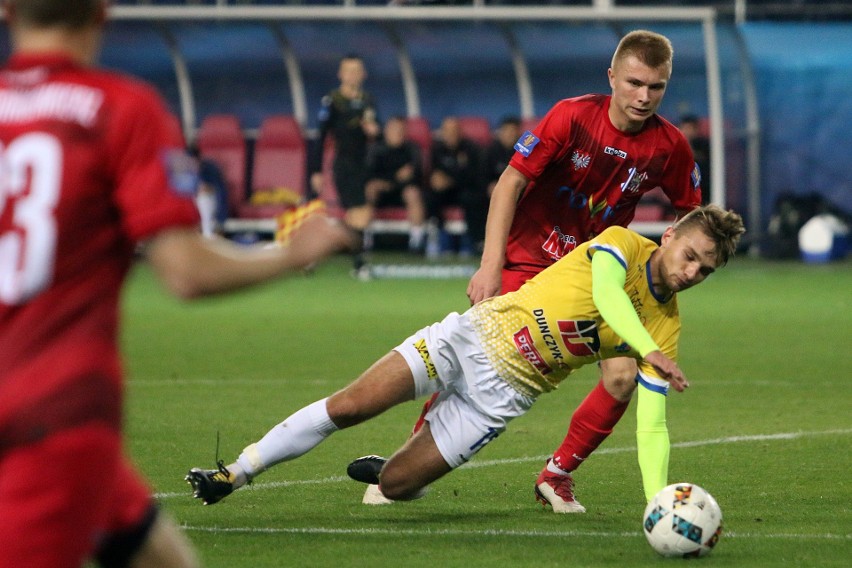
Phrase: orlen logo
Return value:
(615, 152)
(524, 343)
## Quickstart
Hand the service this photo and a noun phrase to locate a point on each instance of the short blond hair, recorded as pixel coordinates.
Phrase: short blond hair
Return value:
(724, 227)
(653, 49)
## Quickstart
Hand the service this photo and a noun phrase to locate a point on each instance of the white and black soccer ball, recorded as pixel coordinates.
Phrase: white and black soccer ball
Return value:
(683, 520)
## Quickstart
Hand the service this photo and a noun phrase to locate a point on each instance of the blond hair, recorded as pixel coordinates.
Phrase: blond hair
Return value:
(724, 227)
(653, 49)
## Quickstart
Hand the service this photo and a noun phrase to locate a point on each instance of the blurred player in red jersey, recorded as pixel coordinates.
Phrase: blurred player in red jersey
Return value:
(89, 168)
(583, 169)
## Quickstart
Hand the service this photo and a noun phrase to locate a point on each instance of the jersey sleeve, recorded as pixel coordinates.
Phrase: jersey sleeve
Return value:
(682, 178)
(155, 178)
(535, 149)
(615, 307)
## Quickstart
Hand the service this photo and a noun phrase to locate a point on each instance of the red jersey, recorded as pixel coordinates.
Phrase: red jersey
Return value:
(586, 175)
(89, 166)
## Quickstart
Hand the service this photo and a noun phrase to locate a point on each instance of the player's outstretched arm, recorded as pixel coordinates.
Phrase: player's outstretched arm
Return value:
(190, 265)
(486, 282)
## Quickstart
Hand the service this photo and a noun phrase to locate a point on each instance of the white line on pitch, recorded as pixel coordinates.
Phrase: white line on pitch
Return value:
(526, 459)
(484, 532)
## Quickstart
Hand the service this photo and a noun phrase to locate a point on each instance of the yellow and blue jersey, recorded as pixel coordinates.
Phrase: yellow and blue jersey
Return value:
(535, 337)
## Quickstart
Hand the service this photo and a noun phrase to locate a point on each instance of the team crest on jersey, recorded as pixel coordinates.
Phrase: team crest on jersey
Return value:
(579, 160)
(182, 171)
(695, 176)
(525, 144)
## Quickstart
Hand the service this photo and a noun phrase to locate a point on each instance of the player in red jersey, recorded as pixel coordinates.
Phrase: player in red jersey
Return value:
(89, 169)
(582, 169)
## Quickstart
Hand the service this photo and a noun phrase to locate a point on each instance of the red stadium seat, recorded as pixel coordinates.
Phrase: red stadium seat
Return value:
(477, 129)
(529, 123)
(221, 140)
(420, 133)
(328, 191)
(279, 172)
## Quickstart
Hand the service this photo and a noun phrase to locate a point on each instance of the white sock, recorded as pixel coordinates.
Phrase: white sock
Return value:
(206, 204)
(416, 235)
(551, 467)
(297, 435)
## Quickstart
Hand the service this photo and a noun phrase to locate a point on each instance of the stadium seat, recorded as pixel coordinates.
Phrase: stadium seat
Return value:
(221, 140)
(328, 191)
(529, 123)
(420, 133)
(476, 129)
(279, 168)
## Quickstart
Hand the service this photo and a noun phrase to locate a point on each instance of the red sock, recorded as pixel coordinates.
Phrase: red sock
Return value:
(420, 421)
(591, 423)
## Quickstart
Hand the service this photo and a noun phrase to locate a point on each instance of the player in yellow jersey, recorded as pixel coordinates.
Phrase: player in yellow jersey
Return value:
(613, 296)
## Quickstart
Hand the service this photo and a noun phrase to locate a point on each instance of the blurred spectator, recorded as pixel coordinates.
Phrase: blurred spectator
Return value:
(500, 151)
(456, 180)
(395, 170)
(690, 126)
(348, 113)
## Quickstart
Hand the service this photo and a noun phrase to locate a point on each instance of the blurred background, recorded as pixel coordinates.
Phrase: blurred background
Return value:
(769, 81)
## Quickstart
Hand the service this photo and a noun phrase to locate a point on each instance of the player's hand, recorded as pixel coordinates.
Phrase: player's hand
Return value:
(668, 370)
(484, 283)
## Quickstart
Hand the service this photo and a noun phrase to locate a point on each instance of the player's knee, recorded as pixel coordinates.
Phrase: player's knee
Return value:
(397, 485)
(620, 382)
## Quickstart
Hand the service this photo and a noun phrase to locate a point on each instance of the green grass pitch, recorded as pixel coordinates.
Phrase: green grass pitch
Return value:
(766, 427)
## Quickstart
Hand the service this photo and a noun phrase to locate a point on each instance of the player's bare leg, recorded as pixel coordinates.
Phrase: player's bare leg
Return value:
(165, 547)
(407, 474)
(386, 383)
(590, 425)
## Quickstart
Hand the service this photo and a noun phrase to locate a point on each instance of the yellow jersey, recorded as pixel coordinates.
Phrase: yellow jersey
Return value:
(535, 337)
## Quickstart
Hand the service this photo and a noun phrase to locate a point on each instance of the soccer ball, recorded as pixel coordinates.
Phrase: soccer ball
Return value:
(683, 520)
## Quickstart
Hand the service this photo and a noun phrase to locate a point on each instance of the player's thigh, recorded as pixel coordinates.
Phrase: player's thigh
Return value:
(386, 383)
(55, 496)
(619, 376)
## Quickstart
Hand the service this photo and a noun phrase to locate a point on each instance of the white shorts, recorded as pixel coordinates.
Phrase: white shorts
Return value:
(475, 404)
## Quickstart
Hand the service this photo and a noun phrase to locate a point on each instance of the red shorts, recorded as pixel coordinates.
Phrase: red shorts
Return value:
(512, 279)
(60, 496)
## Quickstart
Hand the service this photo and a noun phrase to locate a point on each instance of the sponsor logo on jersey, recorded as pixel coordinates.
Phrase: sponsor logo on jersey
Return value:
(546, 336)
(431, 371)
(580, 337)
(615, 152)
(524, 343)
(580, 161)
(526, 143)
(634, 180)
(181, 171)
(558, 244)
(695, 176)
